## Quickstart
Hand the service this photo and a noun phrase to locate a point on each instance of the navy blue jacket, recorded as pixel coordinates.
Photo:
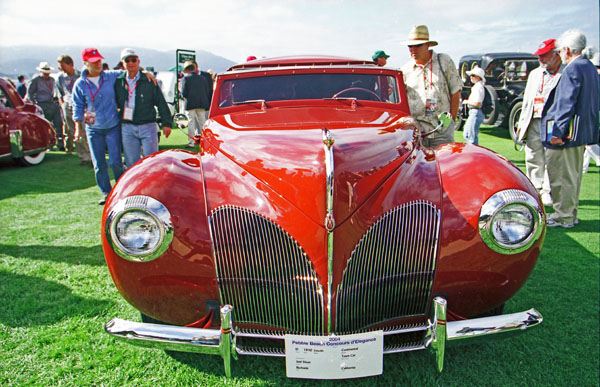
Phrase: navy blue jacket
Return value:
(196, 90)
(571, 111)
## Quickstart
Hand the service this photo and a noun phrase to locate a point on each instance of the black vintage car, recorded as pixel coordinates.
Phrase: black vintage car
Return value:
(505, 75)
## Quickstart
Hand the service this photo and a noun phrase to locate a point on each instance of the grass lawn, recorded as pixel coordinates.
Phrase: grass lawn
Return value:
(56, 294)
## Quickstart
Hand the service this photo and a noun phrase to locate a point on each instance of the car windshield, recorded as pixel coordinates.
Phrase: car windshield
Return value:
(369, 87)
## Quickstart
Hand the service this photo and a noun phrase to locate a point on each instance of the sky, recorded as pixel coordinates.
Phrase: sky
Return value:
(236, 29)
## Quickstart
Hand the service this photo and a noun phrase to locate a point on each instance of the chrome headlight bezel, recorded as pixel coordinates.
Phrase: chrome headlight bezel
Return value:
(499, 204)
(157, 213)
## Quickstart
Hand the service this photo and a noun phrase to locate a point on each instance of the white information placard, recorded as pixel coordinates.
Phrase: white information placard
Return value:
(334, 357)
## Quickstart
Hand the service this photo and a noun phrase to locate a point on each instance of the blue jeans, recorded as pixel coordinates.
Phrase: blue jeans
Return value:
(471, 129)
(136, 138)
(99, 140)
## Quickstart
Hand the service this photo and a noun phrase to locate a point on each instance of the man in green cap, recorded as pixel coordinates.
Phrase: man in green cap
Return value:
(380, 57)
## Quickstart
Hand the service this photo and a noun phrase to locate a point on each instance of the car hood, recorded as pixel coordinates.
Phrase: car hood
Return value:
(288, 154)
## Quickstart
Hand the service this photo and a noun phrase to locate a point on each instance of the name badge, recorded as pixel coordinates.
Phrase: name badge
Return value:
(128, 113)
(538, 107)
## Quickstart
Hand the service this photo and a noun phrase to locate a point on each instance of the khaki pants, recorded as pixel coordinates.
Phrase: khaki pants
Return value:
(535, 158)
(565, 170)
(437, 138)
(197, 117)
(83, 150)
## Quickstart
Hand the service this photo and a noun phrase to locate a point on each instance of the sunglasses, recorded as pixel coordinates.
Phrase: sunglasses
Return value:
(418, 45)
(131, 60)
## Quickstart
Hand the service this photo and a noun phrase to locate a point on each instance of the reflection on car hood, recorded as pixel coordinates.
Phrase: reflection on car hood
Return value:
(288, 154)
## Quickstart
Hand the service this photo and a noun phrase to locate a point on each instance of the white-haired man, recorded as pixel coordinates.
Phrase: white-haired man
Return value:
(541, 81)
(569, 122)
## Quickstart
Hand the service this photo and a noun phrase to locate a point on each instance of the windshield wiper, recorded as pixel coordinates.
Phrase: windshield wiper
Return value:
(250, 101)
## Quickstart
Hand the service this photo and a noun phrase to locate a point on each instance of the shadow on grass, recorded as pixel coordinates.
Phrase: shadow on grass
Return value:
(35, 301)
(73, 255)
(496, 131)
(58, 173)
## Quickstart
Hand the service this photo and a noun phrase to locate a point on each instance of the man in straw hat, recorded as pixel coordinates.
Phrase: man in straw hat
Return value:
(41, 91)
(433, 86)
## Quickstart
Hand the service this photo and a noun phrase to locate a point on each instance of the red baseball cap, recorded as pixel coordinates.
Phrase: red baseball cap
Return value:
(545, 46)
(91, 55)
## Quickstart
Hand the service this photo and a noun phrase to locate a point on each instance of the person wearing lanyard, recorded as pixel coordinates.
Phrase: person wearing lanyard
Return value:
(65, 83)
(475, 101)
(433, 86)
(41, 91)
(137, 98)
(541, 81)
(94, 103)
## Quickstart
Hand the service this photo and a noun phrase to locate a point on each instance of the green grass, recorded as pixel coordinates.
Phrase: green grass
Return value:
(56, 294)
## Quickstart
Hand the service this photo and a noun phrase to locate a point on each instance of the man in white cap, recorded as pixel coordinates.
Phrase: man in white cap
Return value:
(475, 103)
(433, 86)
(541, 81)
(137, 97)
(42, 92)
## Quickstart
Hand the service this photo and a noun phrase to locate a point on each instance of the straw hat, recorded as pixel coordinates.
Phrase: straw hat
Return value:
(419, 35)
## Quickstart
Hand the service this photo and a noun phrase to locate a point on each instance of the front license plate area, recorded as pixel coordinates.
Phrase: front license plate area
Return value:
(334, 357)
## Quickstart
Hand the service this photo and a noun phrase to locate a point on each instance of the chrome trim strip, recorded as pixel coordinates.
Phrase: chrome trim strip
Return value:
(328, 141)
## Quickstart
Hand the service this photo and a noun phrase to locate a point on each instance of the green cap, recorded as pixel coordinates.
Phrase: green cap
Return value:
(380, 54)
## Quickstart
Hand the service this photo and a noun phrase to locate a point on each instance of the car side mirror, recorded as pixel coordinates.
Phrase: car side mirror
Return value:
(445, 120)
(181, 120)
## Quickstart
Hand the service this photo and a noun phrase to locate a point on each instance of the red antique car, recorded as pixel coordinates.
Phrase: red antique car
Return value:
(25, 134)
(314, 225)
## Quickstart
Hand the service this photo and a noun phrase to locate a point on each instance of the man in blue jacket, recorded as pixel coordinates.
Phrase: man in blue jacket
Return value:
(569, 123)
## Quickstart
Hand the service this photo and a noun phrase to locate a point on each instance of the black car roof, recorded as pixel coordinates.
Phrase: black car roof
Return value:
(485, 59)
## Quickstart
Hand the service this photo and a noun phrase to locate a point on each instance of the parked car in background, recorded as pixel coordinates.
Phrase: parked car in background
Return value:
(506, 76)
(25, 135)
(313, 225)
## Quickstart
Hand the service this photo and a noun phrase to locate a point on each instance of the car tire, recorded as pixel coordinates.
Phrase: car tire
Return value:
(513, 120)
(31, 160)
(491, 118)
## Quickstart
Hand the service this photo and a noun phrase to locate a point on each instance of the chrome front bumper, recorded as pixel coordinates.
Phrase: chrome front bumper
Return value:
(222, 342)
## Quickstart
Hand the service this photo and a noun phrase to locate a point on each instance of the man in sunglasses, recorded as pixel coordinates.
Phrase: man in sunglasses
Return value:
(137, 98)
(433, 86)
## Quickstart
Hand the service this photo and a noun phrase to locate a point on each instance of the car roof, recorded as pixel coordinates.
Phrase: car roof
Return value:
(485, 59)
(300, 60)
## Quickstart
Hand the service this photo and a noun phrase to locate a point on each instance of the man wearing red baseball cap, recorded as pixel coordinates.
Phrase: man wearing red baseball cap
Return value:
(540, 83)
(94, 103)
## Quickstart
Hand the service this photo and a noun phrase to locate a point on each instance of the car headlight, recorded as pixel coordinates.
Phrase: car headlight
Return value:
(139, 228)
(511, 221)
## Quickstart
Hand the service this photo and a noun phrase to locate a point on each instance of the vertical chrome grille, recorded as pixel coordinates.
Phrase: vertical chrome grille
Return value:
(390, 272)
(264, 273)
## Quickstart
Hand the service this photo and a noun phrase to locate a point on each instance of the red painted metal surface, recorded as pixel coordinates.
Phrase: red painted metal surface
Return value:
(271, 161)
(37, 132)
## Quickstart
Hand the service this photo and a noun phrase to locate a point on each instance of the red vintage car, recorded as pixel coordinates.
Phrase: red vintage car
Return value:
(312, 224)
(25, 135)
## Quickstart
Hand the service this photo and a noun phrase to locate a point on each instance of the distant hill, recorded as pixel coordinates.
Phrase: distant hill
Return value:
(24, 59)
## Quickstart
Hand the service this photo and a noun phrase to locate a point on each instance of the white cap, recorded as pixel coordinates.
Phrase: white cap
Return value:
(127, 52)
